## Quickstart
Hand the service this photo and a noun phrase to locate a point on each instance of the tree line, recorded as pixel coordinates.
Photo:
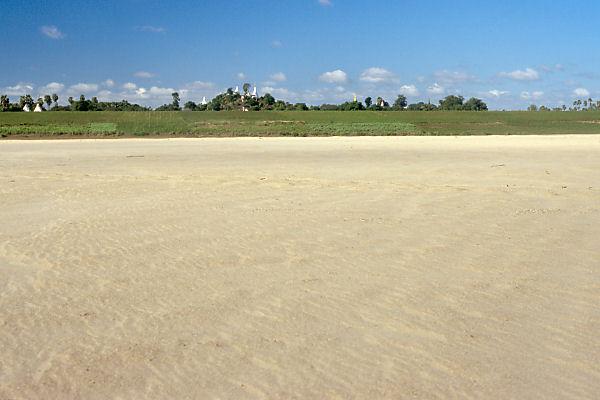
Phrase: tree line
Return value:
(50, 102)
(232, 100)
(578, 105)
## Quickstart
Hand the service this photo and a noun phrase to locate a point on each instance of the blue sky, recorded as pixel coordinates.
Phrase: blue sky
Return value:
(510, 53)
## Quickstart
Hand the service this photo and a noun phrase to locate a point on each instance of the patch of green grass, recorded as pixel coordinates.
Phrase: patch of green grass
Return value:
(294, 123)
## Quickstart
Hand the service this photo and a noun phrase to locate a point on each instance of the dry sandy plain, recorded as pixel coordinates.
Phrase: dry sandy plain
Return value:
(323, 268)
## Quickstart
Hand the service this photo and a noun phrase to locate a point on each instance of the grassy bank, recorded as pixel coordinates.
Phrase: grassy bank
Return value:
(293, 123)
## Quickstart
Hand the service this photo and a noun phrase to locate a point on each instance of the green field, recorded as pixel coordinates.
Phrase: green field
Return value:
(293, 123)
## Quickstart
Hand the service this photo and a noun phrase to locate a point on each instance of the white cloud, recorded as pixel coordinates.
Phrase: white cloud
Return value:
(279, 93)
(83, 88)
(143, 74)
(581, 92)
(109, 83)
(52, 87)
(241, 76)
(377, 75)
(159, 91)
(276, 44)
(199, 85)
(409, 90)
(129, 86)
(278, 77)
(552, 68)
(104, 95)
(325, 2)
(497, 93)
(536, 95)
(52, 32)
(150, 28)
(337, 76)
(436, 89)
(452, 77)
(529, 74)
(19, 89)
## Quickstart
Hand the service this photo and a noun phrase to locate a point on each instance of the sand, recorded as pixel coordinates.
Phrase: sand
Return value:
(300, 268)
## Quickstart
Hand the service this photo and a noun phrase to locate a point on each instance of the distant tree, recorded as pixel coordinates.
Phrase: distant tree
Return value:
(452, 103)
(40, 101)
(55, 99)
(246, 88)
(4, 102)
(368, 102)
(27, 99)
(300, 107)
(329, 107)
(71, 101)
(400, 103)
(190, 105)
(351, 106)
(421, 106)
(176, 100)
(48, 100)
(251, 104)
(475, 104)
(267, 101)
(532, 107)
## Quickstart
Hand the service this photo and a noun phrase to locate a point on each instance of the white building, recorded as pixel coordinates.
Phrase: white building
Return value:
(38, 108)
(204, 102)
(26, 108)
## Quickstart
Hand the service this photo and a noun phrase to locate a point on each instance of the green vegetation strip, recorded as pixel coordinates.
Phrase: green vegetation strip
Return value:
(293, 123)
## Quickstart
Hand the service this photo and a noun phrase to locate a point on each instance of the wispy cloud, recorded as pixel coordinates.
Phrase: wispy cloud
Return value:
(241, 76)
(325, 3)
(52, 32)
(536, 95)
(552, 68)
(276, 44)
(528, 74)
(19, 89)
(337, 76)
(452, 77)
(409, 90)
(150, 28)
(278, 77)
(199, 85)
(496, 93)
(581, 92)
(436, 89)
(52, 87)
(144, 74)
(83, 88)
(377, 75)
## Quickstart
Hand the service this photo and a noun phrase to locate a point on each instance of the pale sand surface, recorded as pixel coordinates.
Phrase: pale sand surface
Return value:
(309, 268)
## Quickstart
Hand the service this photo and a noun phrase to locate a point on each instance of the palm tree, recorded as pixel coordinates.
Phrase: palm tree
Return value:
(4, 102)
(176, 99)
(48, 100)
(55, 98)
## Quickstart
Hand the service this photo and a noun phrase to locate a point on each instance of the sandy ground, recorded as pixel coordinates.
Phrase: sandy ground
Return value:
(323, 268)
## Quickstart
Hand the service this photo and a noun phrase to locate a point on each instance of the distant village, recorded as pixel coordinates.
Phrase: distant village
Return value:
(248, 99)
